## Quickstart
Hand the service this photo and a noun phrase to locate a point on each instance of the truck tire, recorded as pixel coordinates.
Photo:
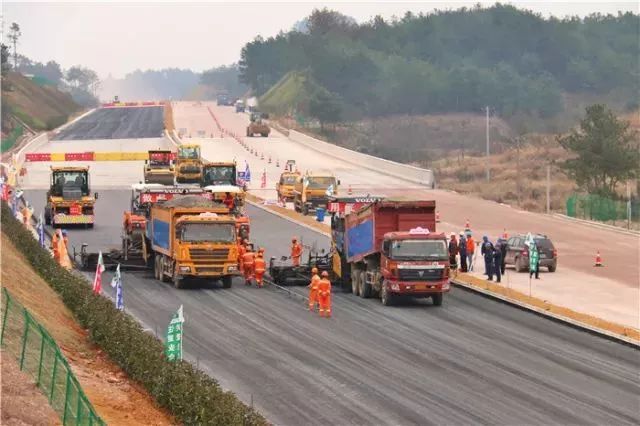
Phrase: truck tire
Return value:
(227, 281)
(156, 267)
(437, 299)
(163, 276)
(365, 288)
(47, 216)
(386, 297)
(552, 268)
(264, 135)
(296, 206)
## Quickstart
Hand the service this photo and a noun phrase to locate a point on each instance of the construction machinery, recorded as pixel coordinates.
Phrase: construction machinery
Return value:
(159, 167)
(69, 198)
(188, 166)
(286, 185)
(221, 194)
(257, 125)
(312, 190)
(189, 240)
(219, 173)
(240, 107)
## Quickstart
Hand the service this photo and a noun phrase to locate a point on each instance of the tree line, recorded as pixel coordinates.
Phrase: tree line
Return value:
(514, 60)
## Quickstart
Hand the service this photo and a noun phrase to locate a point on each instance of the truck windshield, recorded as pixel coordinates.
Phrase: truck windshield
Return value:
(202, 232)
(418, 250)
(320, 182)
(189, 152)
(288, 180)
(220, 175)
(70, 181)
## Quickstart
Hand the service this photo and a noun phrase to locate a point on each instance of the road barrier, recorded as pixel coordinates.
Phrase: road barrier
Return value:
(88, 156)
(402, 171)
(132, 104)
(39, 355)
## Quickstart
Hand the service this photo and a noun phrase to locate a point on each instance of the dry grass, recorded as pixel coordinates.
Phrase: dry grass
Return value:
(116, 399)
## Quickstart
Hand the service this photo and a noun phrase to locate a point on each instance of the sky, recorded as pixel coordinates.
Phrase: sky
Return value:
(117, 38)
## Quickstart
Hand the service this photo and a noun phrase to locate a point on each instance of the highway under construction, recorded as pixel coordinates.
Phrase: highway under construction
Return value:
(472, 360)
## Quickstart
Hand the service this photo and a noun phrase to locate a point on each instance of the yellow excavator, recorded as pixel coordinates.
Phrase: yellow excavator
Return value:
(188, 164)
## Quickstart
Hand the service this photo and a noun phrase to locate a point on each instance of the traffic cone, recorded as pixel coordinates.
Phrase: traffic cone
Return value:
(350, 191)
(598, 260)
(269, 159)
(467, 225)
(504, 234)
(277, 163)
(437, 217)
(262, 156)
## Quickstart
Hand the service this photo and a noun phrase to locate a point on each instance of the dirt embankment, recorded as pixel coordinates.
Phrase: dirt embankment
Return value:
(116, 399)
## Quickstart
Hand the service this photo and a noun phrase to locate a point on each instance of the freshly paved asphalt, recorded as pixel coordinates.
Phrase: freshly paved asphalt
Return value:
(472, 360)
(117, 123)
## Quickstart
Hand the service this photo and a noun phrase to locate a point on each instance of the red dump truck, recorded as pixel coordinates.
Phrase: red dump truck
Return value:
(389, 249)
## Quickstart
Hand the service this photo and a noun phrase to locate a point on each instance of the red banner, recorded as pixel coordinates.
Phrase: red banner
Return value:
(75, 210)
(78, 156)
(38, 156)
(344, 208)
(154, 197)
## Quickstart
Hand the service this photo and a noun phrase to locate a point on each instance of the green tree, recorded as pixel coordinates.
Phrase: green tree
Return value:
(605, 152)
(5, 59)
(14, 36)
(325, 106)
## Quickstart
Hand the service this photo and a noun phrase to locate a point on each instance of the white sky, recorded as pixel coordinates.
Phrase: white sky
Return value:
(118, 38)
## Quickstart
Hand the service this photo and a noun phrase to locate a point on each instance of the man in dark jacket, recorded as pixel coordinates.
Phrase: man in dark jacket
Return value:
(453, 251)
(502, 246)
(487, 250)
(497, 263)
(463, 252)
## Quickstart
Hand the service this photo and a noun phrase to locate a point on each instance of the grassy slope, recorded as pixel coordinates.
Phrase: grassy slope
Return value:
(40, 107)
(285, 95)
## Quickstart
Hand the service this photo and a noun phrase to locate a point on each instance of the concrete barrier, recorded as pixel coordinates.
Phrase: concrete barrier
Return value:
(405, 172)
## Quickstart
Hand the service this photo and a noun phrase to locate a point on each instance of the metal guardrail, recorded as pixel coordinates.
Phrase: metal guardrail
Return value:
(39, 355)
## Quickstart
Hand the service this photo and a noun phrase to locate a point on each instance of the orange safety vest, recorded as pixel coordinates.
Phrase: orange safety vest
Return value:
(324, 288)
(471, 245)
(247, 259)
(259, 264)
(296, 250)
(315, 280)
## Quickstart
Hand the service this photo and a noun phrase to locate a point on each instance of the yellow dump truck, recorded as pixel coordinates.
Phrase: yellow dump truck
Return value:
(312, 190)
(189, 240)
(69, 199)
(188, 164)
(159, 168)
(286, 185)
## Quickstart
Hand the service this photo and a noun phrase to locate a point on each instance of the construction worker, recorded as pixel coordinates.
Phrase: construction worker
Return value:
(55, 247)
(26, 215)
(313, 288)
(453, 252)
(63, 250)
(324, 295)
(296, 251)
(462, 244)
(487, 250)
(471, 248)
(259, 266)
(497, 262)
(241, 251)
(247, 264)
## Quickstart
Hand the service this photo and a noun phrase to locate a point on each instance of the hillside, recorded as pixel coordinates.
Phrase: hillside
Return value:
(38, 106)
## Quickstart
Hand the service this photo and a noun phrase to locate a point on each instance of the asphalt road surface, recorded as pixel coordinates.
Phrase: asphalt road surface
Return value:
(472, 360)
(117, 123)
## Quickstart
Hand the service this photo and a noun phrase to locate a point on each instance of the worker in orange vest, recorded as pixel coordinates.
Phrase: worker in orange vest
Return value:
(313, 288)
(259, 267)
(324, 295)
(296, 251)
(247, 264)
(241, 251)
(55, 247)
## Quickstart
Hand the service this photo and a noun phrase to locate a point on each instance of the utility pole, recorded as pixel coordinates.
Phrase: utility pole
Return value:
(628, 205)
(548, 188)
(518, 181)
(488, 151)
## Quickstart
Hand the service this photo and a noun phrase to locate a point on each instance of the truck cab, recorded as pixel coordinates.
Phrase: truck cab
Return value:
(219, 173)
(286, 185)
(188, 164)
(313, 190)
(69, 199)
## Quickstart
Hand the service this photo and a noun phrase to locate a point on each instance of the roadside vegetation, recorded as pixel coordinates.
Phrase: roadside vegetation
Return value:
(186, 392)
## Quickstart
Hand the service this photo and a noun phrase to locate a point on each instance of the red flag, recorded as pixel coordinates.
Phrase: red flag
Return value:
(97, 280)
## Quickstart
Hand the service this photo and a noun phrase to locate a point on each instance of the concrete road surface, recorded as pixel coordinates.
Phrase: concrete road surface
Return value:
(612, 293)
(472, 360)
(117, 123)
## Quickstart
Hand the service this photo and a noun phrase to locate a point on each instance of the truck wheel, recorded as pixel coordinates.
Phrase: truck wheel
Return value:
(248, 134)
(163, 276)
(386, 297)
(156, 267)
(552, 268)
(437, 299)
(296, 207)
(226, 281)
(47, 217)
(264, 135)
(355, 282)
(365, 288)
(305, 210)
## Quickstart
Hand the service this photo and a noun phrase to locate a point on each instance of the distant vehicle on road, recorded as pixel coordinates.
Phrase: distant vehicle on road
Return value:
(518, 253)
(223, 99)
(257, 125)
(240, 105)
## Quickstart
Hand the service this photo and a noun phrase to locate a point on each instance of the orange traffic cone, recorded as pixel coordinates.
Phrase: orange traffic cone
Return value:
(350, 191)
(598, 260)
(467, 225)
(262, 156)
(269, 159)
(277, 163)
(437, 217)
(504, 234)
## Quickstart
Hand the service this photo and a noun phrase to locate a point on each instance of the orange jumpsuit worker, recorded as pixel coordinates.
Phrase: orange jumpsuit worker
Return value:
(241, 251)
(313, 289)
(247, 265)
(259, 267)
(324, 295)
(55, 247)
(296, 252)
